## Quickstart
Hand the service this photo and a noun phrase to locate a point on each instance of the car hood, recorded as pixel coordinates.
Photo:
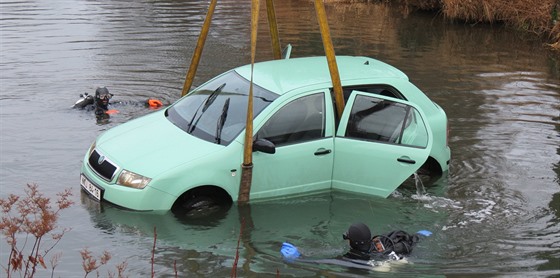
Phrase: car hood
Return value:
(151, 145)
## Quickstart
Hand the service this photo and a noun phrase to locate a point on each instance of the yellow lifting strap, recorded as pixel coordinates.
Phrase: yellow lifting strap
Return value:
(198, 50)
(274, 37)
(331, 59)
(247, 167)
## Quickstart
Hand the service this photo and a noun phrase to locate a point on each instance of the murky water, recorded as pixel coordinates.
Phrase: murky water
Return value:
(496, 213)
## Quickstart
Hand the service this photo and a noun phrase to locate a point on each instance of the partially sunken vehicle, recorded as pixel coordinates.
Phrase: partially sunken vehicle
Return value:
(192, 151)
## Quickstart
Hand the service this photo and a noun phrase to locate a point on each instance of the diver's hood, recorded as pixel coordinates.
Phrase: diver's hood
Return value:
(359, 236)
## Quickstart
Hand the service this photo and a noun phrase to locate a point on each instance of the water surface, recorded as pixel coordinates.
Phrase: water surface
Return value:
(496, 212)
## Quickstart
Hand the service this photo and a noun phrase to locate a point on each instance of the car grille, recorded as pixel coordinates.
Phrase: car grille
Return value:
(105, 169)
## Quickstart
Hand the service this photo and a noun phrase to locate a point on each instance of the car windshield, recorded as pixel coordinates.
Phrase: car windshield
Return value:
(217, 111)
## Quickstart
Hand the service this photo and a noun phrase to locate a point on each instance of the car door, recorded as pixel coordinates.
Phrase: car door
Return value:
(302, 132)
(380, 142)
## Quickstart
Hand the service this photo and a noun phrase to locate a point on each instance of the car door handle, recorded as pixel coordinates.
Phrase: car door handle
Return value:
(406, 159)
(322, 151)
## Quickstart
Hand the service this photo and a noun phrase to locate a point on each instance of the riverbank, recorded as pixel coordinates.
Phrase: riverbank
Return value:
(540, 17)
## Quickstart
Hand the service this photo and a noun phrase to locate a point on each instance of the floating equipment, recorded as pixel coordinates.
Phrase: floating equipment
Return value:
(154, 103)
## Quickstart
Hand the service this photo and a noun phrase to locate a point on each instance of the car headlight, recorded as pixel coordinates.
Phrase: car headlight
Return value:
(131, 179)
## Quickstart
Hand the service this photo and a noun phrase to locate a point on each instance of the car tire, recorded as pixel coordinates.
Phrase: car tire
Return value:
(199, 207)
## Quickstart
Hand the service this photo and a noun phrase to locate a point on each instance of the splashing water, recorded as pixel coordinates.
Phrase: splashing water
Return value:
(432, 202)
(420, 189)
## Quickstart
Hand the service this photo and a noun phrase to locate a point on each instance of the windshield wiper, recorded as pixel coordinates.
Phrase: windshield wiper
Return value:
(212, 97)
(222, 121)
(209, 100)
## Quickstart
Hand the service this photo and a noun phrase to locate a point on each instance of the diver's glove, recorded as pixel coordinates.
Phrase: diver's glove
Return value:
(289, 252)
(424, 233)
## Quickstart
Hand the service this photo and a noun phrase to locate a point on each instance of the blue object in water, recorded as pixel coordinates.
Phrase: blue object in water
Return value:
(289, 251)
(424, 233)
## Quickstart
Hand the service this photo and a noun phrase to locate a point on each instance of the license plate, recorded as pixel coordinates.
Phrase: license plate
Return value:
(92, 189)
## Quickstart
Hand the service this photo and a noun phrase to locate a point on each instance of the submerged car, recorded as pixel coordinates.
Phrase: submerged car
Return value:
(191, 152)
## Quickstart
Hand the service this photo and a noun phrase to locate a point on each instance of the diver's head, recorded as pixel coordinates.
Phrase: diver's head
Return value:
(102, 97)
(359, 236)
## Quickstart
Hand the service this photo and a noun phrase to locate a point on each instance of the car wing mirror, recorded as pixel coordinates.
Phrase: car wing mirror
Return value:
(263, 145)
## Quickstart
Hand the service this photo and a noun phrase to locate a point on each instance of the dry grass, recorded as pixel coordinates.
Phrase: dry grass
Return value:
(536, 16)
(529, 15)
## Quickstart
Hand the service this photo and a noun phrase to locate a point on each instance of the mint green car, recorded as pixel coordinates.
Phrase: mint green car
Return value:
(189, 155)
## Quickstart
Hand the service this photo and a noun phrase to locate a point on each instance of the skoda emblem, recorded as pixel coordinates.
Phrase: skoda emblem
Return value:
(101, 160)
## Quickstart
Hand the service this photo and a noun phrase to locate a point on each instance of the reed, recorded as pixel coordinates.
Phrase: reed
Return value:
(236, 260)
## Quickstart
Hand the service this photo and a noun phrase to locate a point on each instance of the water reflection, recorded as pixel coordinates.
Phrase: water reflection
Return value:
(315, 223)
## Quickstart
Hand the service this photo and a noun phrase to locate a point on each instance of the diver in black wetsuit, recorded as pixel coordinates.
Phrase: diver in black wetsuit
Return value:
(100, 100)
(391, 246)
(100, 103)
(365, 251)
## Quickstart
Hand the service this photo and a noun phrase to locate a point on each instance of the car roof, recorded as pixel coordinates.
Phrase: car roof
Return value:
(281, 76)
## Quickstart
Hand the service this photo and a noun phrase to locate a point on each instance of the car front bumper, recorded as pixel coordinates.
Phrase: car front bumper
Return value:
(147, 199)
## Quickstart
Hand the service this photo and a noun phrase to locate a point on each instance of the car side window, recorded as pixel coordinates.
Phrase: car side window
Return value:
(300, 120)
(374, 89)
(387, 121)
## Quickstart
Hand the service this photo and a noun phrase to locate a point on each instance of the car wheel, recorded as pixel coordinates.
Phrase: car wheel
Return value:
(198, 207)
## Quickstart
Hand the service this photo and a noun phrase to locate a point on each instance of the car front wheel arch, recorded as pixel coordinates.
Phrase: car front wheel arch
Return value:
(202, 202)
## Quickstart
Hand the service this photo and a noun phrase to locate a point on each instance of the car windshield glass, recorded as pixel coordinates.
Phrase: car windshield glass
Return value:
(217, 111)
